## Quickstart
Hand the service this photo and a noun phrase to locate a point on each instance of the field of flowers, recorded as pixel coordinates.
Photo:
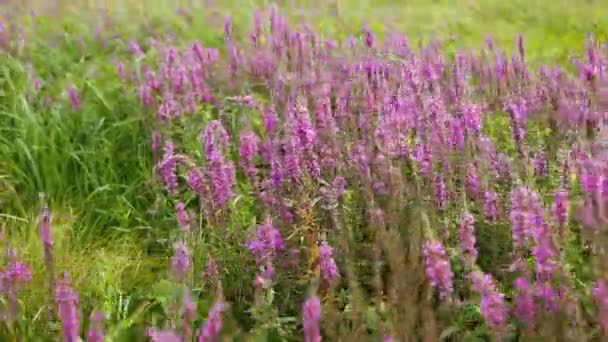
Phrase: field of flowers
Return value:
(293, 173)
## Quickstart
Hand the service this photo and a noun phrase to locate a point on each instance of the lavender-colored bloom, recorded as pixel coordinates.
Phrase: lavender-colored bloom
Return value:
(96, 332)
(311, 318)
(561, 207)
(540, 165)
(339, 186)
(467, 238)
(135, 49)
(493, 306)
(163, 336)
(67, 301)
(490, 205)
(441, 193)
(438, 269)
(180, 262)
(188, 317)
(472, 179)
(156, 141)
(223, 179)
(215, 138)
(167, 168)
(182, 216)
(524, 302)
(74, 99)
(519, 226)
(600, 296)
(195, 182)
(268, 242)
(472, 119)
(210, 331)
(329, 269)
(248, 149)
(45, 226)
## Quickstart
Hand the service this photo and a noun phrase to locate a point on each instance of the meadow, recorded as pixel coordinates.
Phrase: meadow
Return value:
(304, 171)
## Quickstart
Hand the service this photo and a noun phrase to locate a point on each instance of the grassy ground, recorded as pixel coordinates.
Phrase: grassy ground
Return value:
(96, 166)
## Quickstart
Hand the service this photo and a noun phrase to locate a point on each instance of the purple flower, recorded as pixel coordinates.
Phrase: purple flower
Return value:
(67, 301)
(167, 168)
(189, 315)
(163, 336)
(45, 226)
(195, 182)
(74, 99)
(96, 332)
(561, 207)
(329, 270)
(600, 296)
(248, 149)
(311, 317)
(438, 269)
(182, 216)
(490, 205)
(493, 306)
(540, 165)
(441, 193)
(472, 179)
(467, 238)
(268, 242)
(210, 331)
(156, 141)
(524, 302)
(180, 262)
(519, 226)
(135, 49)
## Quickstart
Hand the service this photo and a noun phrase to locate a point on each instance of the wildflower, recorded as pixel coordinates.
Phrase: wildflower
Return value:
(182, 216)
(493, 306)
(438, 269)
(524, 302)
(12, 281)
(167, 168)
(96, 332)
(441, 193)
(135, 49)
(189, 315)
(210, 331)
(600, 296)
(490, 205)
(467, 238)
(329, 270)
(180, 262)
(67, 301)
(156, 140)
(561, 207)
(311, 312)
(249, 148)
(267, 243)
(74, 99)
(163, 336)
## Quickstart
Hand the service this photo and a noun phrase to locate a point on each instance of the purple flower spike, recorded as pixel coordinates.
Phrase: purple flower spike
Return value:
(67, 301)
(210, 331)
(600, 296)
(311, 312)
(96, 333)
(438, 269)
(329, 270)
(180, 262)
(74, 99)
(467, 238)
(524, 302)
